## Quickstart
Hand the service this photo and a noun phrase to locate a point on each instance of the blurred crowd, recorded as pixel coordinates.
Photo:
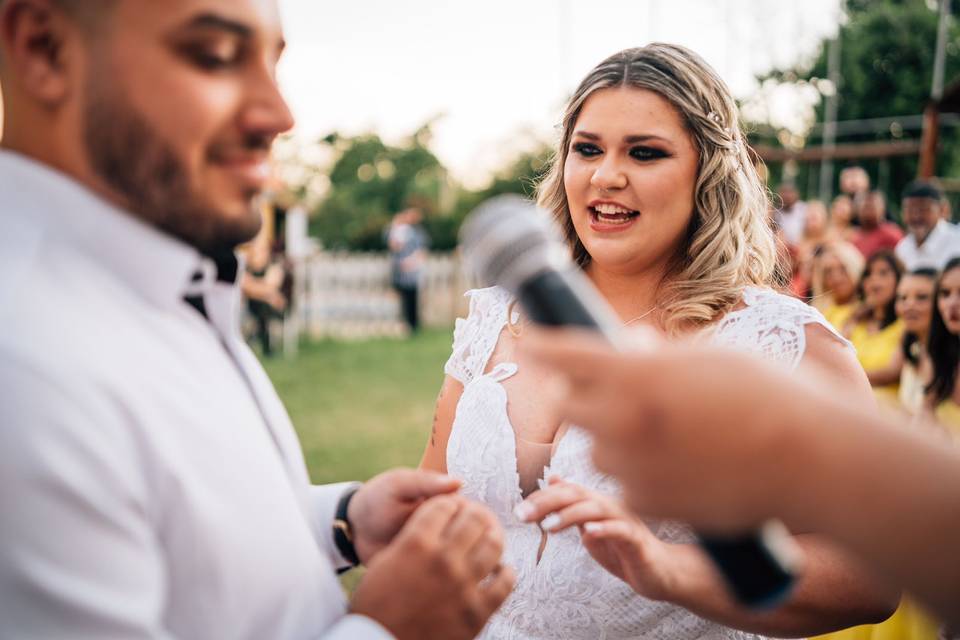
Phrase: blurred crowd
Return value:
(893, 291)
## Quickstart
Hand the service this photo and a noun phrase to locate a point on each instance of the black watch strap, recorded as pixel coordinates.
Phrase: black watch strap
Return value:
(343, 530)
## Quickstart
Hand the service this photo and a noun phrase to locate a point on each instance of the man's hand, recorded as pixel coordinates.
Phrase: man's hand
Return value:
(382, 505)
(441, 577)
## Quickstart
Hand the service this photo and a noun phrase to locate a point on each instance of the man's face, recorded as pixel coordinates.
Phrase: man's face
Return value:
(789, 196)
(181, 108)
(921, 216)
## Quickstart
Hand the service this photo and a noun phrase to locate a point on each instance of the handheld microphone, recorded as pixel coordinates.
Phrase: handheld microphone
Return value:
(510, 242)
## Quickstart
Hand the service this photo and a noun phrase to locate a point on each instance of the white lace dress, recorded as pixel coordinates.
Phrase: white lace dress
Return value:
(567, 594)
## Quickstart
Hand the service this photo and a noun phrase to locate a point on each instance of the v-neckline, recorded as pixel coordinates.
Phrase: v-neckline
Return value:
(497, 374)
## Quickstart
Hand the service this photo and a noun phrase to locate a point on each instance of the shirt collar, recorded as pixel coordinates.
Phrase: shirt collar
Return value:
(157, 265)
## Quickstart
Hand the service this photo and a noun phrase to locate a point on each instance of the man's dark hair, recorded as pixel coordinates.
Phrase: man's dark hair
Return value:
(923, 189)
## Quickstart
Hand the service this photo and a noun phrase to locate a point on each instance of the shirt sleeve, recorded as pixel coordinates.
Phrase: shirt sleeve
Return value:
(324, 499)
(356, 627)
(78, 558)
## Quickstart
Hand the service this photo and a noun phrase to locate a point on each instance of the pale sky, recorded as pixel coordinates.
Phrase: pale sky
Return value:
(498, 71)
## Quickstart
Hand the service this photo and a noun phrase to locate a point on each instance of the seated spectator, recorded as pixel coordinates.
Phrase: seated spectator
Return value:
(841, 218)
(914, 307)
(875, 234)
(836, 270)
(792, 214)
(943, 392)
(855, 183)
(931, 241)
(815, 235)
(874, 328)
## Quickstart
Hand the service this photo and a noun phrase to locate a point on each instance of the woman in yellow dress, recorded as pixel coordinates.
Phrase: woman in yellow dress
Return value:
(874, 328)
(888, 349)
(914, 307)
(943, 392)
(837, 268)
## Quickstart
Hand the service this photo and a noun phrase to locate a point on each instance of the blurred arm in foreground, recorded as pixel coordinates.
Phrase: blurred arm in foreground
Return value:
(724, 442)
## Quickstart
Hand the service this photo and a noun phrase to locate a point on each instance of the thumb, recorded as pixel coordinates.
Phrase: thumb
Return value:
(418, 485)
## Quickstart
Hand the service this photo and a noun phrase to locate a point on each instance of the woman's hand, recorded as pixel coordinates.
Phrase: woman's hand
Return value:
(618, 540)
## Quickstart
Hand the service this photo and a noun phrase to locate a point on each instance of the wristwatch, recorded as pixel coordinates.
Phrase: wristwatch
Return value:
(343, 530)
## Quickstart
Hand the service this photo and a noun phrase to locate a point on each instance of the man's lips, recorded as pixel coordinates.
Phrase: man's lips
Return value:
(252, 170)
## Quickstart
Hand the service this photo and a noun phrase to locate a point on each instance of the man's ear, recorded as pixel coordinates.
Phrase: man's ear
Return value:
(39, 41)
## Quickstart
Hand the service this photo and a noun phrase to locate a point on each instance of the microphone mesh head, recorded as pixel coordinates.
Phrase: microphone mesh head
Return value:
(507, 240)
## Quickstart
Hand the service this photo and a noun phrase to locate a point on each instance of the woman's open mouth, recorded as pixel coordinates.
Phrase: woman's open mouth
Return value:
(610, 217)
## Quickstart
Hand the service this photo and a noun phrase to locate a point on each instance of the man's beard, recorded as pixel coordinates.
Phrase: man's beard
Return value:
(132, 159)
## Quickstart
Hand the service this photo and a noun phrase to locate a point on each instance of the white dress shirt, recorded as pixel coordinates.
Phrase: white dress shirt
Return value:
(792, 222)
(151, 484)
(941, 244)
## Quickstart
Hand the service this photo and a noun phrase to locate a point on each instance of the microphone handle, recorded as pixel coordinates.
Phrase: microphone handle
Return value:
(757, 566)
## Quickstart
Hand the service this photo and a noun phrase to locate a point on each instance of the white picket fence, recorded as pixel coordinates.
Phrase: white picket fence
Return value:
(348, 295)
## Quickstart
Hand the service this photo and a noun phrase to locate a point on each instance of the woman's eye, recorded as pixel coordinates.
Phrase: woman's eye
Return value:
(647, 153)
(586, 149)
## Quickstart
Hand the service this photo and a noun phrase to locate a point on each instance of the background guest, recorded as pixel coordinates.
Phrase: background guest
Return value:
(914, 307)
(943, 392)
(836, 272)
(931, 241)
(875, 233)
(792, 214)
(841, 218)
(874, 328)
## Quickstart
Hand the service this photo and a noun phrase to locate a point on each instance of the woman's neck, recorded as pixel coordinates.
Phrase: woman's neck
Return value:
(632, 295)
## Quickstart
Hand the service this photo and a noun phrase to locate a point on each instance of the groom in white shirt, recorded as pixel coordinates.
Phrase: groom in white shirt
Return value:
(150, 481)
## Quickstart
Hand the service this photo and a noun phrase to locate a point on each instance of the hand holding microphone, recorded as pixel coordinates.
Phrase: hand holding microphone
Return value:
(508, 242)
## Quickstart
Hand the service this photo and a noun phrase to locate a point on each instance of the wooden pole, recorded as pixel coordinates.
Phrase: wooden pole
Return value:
(928, 141)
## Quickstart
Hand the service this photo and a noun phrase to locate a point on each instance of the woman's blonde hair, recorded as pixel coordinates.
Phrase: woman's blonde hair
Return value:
(730, 244)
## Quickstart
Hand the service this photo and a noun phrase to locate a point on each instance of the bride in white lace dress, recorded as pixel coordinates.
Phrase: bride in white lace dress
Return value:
(665, 212)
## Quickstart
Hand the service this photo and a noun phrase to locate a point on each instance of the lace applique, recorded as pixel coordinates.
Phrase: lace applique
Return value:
(771, 325)
(475, 336)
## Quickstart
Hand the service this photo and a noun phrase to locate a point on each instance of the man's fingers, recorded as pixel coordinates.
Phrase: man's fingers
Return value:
(431, 518)
(470, 524)
(496, 588)
(485, 555)
(410, 484)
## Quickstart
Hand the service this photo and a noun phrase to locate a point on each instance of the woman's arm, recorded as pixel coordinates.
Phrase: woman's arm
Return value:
(435, 454)
(889, 374)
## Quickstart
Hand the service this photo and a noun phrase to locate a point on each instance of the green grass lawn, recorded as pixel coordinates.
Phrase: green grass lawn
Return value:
(362, 407)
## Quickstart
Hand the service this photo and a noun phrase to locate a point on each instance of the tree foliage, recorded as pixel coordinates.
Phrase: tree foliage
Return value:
(886, 65)
(369, 182)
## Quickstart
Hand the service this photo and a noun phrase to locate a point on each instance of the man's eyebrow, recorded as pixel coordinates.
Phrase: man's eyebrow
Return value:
(220, 23)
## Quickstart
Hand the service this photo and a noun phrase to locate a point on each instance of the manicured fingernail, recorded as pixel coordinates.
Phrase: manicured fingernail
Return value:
(551, 522)
(523, 511)
(593, 527)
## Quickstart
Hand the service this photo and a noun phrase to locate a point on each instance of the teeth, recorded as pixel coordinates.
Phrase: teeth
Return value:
(611, 209)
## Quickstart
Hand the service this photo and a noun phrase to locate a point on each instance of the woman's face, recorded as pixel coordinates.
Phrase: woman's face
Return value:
(915, 303)
(836, 280)
(879, 285)
(841, 211)
(948, 300)
(629, 178)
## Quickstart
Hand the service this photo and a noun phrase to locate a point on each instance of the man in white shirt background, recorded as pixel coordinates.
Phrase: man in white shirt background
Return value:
(791, 217)
(931, 240)
(150, 481)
